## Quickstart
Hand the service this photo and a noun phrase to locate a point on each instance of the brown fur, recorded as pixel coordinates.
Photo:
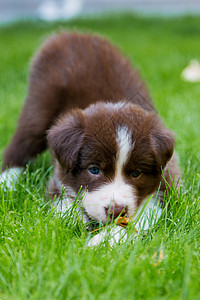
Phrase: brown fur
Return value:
(85, 137)
(71, 72)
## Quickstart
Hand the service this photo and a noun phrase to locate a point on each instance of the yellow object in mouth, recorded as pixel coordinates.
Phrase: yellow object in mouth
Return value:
(122, 221)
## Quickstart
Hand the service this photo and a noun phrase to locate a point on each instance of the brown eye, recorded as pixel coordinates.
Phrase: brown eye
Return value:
(135, 173)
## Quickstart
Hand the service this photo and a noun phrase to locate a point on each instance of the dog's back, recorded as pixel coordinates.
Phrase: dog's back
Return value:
(71, 70)
(80, 69)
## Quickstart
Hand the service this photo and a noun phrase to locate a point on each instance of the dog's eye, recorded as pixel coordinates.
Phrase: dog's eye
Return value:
(136, 173)
(94, 170)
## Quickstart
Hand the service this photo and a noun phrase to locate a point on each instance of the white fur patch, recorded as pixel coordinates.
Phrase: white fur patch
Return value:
(10, 177)
(117, 192)
(149, 216)
(125, 145)
(65, 203)
(114, 236)
(116, 106)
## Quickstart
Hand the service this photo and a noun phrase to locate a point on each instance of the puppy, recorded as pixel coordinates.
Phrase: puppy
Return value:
(90, 106)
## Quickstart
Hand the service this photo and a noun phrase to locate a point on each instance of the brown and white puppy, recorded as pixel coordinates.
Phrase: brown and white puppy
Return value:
(90, 106)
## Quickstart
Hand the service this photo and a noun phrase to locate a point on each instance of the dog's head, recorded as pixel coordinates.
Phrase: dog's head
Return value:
(117, 151)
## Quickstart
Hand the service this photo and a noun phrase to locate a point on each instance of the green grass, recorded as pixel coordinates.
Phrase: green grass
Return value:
(44, 256)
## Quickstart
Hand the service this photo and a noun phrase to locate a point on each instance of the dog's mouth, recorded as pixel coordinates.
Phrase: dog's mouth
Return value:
(111, 215)
(121, 220)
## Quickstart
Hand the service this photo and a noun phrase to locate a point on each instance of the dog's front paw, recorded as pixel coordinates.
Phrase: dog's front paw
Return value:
(9, 177)
(113, 237)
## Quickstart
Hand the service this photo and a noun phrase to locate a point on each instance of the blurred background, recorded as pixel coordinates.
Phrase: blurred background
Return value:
(11, 10)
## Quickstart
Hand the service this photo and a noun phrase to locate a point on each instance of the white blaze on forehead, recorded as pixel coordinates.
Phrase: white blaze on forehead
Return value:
(116, 105)
(124, 142)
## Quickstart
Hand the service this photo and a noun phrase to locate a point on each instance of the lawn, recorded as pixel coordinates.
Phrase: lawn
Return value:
(44, 256)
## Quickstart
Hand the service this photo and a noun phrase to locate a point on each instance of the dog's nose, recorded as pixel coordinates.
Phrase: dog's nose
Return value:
(116, 210)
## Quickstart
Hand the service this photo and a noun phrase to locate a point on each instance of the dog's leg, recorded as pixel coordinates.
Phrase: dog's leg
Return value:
(29, 138)
(63, 198)
(42, 106)
(148, 214)
(113, 236)
(28, 141)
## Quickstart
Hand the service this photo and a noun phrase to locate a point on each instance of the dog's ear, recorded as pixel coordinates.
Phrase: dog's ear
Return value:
(66, 138)
(163, 144)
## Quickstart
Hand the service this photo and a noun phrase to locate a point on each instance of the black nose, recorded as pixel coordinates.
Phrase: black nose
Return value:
(116, 210)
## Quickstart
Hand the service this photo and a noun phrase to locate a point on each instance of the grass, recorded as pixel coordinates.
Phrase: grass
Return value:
(44, 256)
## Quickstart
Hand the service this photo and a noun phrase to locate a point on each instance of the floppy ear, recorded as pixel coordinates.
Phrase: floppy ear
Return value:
(66, 138)
(163, 144)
